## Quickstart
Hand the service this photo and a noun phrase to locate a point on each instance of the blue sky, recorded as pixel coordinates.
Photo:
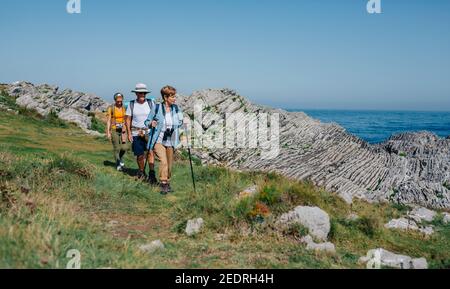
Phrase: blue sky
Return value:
(291, 54)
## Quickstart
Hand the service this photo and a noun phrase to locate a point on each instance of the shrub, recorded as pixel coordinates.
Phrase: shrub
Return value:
(260, 211)
(403, 209)
(296, 230)
(447, 185)
(97, 125)
(402, 154)
(7, 100)
(243, 210)
(304, 194)
(53, 119)
(71, 166)
(368, 225)
(211, 175)
(184, 154)
(269, 195)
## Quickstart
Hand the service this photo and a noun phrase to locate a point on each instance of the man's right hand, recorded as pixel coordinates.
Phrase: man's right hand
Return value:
(130, 138)
(108, 135)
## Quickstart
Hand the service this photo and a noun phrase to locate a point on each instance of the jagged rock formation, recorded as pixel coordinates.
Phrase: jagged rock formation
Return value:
(69, 105)
(409, 168)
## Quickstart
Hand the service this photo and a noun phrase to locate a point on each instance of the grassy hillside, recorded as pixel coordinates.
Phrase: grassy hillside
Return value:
(60, 191)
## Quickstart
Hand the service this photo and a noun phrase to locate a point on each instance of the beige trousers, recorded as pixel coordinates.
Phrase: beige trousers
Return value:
(165, 156)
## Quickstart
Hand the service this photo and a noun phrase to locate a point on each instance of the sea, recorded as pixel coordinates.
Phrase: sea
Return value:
(378, 126)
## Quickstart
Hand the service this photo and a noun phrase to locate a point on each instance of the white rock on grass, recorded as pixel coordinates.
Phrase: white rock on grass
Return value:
(152, 247)
(348, 198)
(322, 247)
(112, 223)
(419, 263)
(392, 260)
(92, 132)
(352, 217)
(406, 224)
(221, 237)
(75, 116)
(316, 220)
(428, 230)
(402, 224)
(446, 218)
(420, 214)
(194, 226)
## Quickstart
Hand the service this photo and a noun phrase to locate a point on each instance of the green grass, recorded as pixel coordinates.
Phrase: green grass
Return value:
(447, 185)
(57, 194)
(7, 100)
(97, 125)
(402, 154)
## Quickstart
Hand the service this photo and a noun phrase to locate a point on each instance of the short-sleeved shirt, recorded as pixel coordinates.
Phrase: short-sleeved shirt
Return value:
(141, 112)
(119, 115)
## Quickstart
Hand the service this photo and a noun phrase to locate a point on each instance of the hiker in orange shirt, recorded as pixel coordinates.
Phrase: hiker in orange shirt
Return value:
(116, 131)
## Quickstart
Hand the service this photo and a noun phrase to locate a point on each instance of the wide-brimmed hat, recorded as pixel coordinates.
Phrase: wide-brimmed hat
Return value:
(140, 87)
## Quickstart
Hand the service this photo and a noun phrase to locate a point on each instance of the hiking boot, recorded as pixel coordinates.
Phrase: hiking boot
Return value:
(141, 175)
(164, 189)
(169, 188)
(152, 178)
(118, 166)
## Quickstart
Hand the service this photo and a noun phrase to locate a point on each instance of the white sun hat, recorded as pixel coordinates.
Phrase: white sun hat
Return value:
(140, 87)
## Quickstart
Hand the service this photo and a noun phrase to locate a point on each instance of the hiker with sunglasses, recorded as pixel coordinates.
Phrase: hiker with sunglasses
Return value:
(166, 120)
(116, 131)
(138, 133)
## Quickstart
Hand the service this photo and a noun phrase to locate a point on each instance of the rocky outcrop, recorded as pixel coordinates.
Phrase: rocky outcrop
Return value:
(408, 225)
(409, 168)
(413, 221)
(69, 105)
(381, 257)
(420, 214)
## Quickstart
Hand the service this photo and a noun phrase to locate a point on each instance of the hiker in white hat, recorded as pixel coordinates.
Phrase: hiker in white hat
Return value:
(137, 112)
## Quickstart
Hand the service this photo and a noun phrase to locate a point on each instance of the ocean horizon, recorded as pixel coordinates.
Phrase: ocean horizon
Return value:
(376, 126)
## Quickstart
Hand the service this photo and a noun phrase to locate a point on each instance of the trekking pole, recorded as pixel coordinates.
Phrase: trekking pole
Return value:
(190, 156)
(192, 169)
